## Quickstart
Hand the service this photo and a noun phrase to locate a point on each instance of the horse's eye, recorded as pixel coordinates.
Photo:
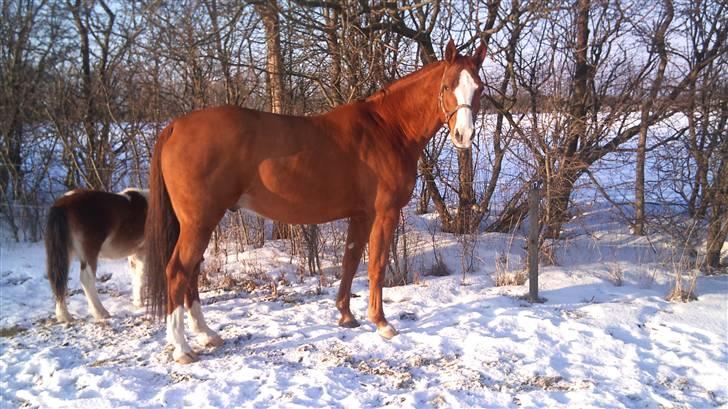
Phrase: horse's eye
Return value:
(446, 88)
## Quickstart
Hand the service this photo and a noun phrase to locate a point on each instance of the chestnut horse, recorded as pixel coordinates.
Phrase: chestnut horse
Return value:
(90, 224)
(358, 161)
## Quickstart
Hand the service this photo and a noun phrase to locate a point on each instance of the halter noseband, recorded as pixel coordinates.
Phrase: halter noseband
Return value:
(449, 114)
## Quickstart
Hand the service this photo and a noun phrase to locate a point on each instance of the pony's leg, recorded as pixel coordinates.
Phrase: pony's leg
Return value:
(356, 238)
(180, 272)
(88, 282)
(380, 240)
(136, 265)
(205, 336)
(62, 314)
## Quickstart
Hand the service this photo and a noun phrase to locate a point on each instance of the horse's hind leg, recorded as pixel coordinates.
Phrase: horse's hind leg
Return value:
(88, 282)
(356, 240)
(180, 275)
(205, 336)
(62, 314)
(136, 265)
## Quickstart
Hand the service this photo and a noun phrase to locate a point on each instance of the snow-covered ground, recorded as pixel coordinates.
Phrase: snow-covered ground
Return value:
(463, 342)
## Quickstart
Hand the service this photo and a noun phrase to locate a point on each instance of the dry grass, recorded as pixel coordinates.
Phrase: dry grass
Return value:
(438, 268)
(9, 332)
(646, 278)
(615, 274)
(503, 276)
(683, 290)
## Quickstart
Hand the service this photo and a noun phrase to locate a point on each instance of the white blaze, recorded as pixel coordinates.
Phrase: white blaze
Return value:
(464, 116)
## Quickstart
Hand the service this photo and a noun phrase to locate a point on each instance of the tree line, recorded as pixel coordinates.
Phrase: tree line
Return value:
(86, 85)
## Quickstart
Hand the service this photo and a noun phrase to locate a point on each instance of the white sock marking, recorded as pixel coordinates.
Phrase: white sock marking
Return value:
(176, 333)
(136, 265)
(198, 325)
(88, 283)
(62, 314)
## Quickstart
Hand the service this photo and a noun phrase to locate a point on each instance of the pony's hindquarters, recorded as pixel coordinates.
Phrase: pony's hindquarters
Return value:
(57, 244)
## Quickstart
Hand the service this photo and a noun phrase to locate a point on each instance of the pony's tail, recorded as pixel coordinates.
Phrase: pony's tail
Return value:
(57, 240)
(161, 231)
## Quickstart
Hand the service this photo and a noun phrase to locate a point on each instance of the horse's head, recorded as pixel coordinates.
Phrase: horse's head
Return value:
(460, 90)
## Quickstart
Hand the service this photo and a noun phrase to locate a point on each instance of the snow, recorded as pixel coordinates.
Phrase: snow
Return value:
(463, 342)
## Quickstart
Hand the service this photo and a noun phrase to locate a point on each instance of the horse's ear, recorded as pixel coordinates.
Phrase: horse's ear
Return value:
(480, 53)
(450, 51)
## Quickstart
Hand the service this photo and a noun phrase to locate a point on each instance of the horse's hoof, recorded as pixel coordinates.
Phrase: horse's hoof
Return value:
(213, 341)
(64, 319)
(187, 358)
(62, 316)
(349, 323)
(387, 331)
(102, 315)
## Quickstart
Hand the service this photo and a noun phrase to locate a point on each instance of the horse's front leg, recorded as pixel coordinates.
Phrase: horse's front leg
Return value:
(356, 240)
(380, 240)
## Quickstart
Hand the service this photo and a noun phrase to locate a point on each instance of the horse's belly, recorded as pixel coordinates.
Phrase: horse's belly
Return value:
(113, 248)
(276, 207)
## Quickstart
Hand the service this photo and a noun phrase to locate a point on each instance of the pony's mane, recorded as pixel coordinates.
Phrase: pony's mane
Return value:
(402, 82)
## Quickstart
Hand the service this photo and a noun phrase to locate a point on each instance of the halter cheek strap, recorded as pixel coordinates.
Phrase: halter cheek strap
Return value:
(449, 114)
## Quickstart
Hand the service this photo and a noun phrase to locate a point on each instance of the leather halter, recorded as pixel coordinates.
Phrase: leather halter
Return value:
(449, 114)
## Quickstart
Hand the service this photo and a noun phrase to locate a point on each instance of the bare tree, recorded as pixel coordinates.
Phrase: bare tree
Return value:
(658, 42)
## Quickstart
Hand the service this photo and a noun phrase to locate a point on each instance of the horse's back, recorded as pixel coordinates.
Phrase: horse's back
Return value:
(288, 168)
(215, 156)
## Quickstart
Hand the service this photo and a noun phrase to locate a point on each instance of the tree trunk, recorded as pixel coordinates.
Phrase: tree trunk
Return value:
(718, 227)
(659, 41)
(268, 12)
(466, 195)
(429, 179)
(423, 202)
(332, 19)
(558, 194)
(560, 183)
(717, 235)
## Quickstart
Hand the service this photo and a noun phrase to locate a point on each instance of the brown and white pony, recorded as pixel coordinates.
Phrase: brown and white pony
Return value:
(358, 161)
(89, 225)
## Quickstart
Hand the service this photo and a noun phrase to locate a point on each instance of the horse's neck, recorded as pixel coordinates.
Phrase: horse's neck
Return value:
(411, 106)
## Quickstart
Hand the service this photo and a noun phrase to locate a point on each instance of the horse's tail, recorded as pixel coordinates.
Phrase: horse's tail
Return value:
(161, 232)
(57, 241)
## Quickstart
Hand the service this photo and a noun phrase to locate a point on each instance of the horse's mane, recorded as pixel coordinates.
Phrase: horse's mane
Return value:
(402, 82)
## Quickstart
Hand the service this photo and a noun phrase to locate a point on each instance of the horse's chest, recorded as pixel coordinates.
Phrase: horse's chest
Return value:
(399, 182)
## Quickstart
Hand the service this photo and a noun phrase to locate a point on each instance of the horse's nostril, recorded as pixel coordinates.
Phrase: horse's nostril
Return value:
(458, 137)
